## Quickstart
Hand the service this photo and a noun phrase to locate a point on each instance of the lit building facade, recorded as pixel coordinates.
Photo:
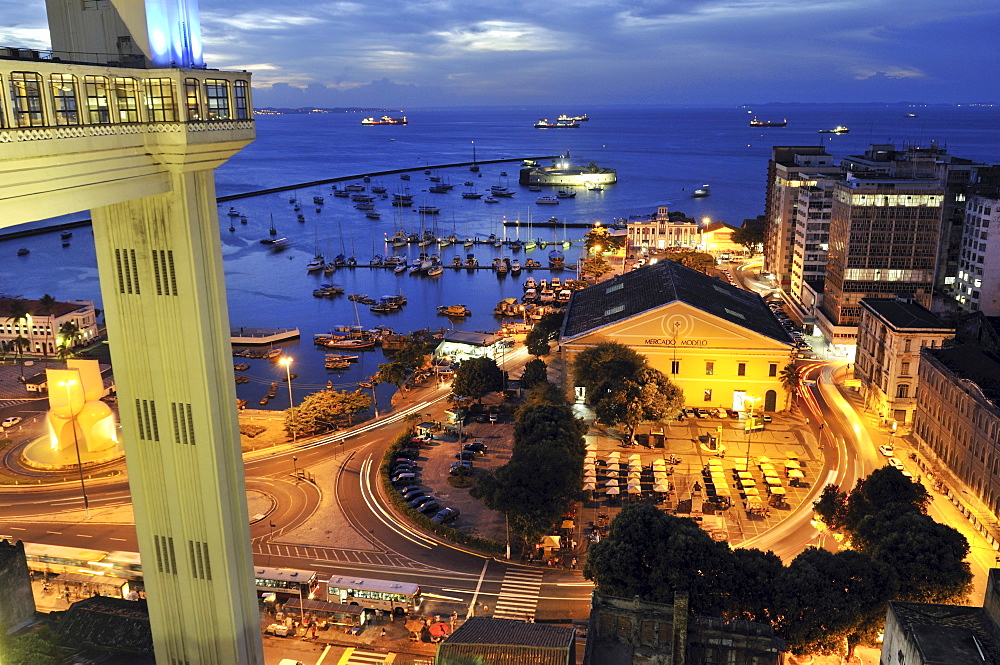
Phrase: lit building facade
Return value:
(138, 147)
(890, 336)
(786, 172)
(721, 345)
(42, 325)
(717, 239)
(957, 420)
(663, 231)
(811, 240)
(883, 244)
(978, 284)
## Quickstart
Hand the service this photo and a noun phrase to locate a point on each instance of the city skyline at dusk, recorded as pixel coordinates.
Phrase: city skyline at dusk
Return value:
(712, 52)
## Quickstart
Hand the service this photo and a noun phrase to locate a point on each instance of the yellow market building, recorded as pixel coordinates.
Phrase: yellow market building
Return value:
(722, 345)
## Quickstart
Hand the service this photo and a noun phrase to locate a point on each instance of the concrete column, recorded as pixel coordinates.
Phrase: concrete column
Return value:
(162, 284)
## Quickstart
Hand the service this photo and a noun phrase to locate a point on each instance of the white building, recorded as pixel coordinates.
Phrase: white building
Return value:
(662, 232)
(42, 326)
(978, 280)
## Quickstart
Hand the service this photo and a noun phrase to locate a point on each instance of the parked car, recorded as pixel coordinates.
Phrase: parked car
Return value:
(409, 488)
(886, 450)
(460, 471)
(465, 455)
(396, 468)
(409, 453)
(429, 507)
(895, 462)
(446, 515)
(476, 447)
(698, 413)
(414, 494)
(10, 422)
(418, 500)
(735, 415)
(403, 478)
(766, 417)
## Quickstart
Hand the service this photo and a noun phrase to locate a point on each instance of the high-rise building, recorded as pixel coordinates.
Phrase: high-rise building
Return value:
(883, 244)
(137, 146)
(954, 174)
(978, 283)
(785, 174)
(811, 240)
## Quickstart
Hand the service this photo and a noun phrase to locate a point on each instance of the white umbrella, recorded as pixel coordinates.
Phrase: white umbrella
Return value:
(634, 474)
(589, 487)
(635, 483)
(634, 456)
(612, 474)
(611, 483)
(612, 491)
(614, 454)
(634, 489)
(590, 447)
(661, 487)
(589, 465)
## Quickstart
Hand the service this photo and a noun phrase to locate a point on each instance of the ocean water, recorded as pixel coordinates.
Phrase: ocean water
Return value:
(661, 155)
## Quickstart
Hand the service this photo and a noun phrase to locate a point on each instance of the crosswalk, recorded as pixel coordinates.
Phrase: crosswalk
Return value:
(518, 595)
(362, 657)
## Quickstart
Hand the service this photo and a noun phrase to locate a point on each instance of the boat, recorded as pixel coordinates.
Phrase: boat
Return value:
(839, 129)
(555, 283)
(439, 188)
(534, 188)
(354, 187)
(547, 200)
(754, 122)
(384, 120)
(572, 118)
(66, 235)
(328, 291)
(910, 115)
(405, 176)
(349, 343)
(373, 214)
(243, 219)
(318, 200)
(530, 295)
(556, 259)
(471, 261)
(546, 295)
(428, 210)
(399, 269)
(515, 267)
(532, 263)
(565, 194)
(595, 187)
(701, 192)
(544, 123)
(342, 357)
(24, 251)
(530, 283)
(341, 193)
(317, 263)
(491, 199)
(563, 296)
(454, 310)
(362, 198)
(475, 167)
(435, 270)
(233, 212)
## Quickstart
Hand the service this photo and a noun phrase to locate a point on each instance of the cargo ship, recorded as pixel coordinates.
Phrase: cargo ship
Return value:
(767, 123)
(572, 118)
(545, 123)
(384, 120)
(839, 129)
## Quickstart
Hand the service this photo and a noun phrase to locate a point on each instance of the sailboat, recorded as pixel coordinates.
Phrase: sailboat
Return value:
(530, 242)
(272, 232)
(475, 167)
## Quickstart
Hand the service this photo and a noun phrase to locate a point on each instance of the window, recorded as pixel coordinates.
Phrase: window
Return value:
(64, 103)
(708, 394)
(26, 99)
(160, 105)
(675, 367)
(3, 121)
(906, 346)
(902, 391)
(709, 367)
(741, 369)
(241, 98)
(905, 369)
(192, 99)
(127, 96)
(98, 108)
(217, 99)
(772, 369)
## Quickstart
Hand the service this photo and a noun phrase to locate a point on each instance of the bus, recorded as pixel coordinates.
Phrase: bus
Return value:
(121, 564)
(286, 582)
(56, 559)
(397, 597)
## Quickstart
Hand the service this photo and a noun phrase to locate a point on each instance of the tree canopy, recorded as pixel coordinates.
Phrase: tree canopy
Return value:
(751, 234)
(321, 411)
(477, 377)
(700, 261)
(535, 372)
(544, 331)
(595, 266)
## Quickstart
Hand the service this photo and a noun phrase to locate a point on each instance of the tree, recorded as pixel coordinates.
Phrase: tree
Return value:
(70, 334)
(700, 261)
(647, 394)
(17, 313)
(595, 266)
(885, 491)
(46, 307)
(321, 411)
(790, 381)
(477, 377)
(828, 603)
(393, 373)
(542, 393)
(547, 329)
(831, 507)
(535, 372)
(40, 647)
(600, 367)
(751, 234)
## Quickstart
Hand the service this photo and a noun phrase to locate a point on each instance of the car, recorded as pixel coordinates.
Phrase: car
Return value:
(396, 468)
(895, 462)
(720, 413)
(414, 494)
(401, 478)
(766, 417)
(464, 464)
(698, 413)
(446, 515)
(429, 507)
(886, 450)
(10, 422)
(481, 418)
(734, 414)
(416, 501)
(476, 447)
(465, 455)
(403, 460)
(408, 488)
(409, 453)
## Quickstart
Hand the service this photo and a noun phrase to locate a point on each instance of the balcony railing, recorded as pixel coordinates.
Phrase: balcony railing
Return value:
(47, 99)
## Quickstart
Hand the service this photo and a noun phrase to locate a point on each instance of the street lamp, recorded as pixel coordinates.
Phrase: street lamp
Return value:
(287, 362)
(295, 468)
(750, 421)
(68, 385)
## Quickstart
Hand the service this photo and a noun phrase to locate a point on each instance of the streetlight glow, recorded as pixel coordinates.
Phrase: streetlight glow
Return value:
(287, 362)
(68, 385)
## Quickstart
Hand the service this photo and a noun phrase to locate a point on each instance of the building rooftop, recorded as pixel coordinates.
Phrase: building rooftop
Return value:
(35, 309)
(903, 315)
(949, 634)
(468, 337)
(511, 632)
(978, 365)
(663, 283)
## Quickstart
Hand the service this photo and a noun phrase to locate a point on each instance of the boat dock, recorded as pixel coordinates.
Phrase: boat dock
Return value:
(256, 336)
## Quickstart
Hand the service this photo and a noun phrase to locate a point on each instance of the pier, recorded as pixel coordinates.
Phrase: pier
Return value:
(257, 336)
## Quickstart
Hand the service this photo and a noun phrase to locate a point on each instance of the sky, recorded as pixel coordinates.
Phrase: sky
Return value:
(411, 53)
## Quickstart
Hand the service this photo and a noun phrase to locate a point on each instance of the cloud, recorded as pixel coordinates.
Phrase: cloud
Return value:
(498, 36)
(889, 73)
(256, 21)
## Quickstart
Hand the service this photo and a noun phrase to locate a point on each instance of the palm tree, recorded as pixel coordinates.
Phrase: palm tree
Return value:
(18, 314)
(20, 345)
(70, 333)
(790, 381)
(46, 306)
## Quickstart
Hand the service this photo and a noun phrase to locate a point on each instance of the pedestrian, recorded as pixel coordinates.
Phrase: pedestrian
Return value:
(383, 632)
(314, 631)
(573, 563)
